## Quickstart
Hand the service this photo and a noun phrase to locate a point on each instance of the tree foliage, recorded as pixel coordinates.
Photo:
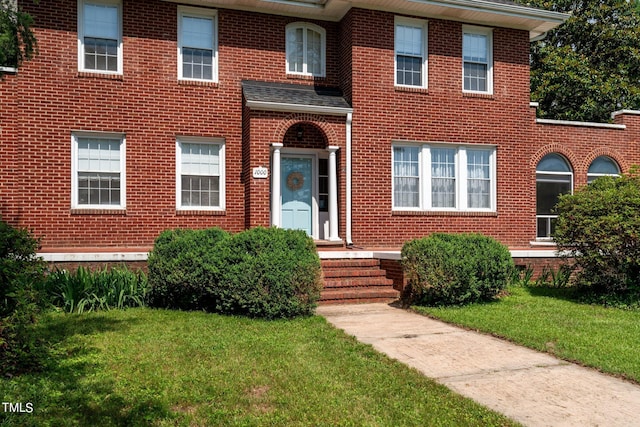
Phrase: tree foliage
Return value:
(17, 40)
(599, 226)
(589, 66)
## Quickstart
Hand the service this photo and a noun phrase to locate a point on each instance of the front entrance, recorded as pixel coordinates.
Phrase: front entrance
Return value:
(297, 192)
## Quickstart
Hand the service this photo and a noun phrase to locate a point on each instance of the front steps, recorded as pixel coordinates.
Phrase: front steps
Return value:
(348, 281)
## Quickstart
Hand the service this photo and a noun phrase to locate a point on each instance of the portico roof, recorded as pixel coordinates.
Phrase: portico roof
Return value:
(272, 96)
(499, 13)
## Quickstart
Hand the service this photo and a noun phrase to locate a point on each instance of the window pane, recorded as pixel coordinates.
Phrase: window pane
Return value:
(101, 21)
(95, 188)
(197, 32)
(196, 63)
(474, 47)
(201, 191)
(314, 52)
(443, 182)
(475, 77)
(478, 179)
(409, 40)
(295, 50)
(406, 177)
(553, 163)
(409, 70)
(100, 54)
(605, 166)
(548, 191)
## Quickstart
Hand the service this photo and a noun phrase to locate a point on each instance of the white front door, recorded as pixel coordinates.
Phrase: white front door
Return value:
(297, 192)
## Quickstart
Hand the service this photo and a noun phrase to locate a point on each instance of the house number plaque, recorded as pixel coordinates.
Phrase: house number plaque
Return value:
(260, 172)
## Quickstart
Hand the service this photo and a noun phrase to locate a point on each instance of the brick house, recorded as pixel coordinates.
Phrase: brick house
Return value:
(365, 123)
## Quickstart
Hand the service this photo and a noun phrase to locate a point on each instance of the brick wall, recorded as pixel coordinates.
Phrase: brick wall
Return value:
(151, 107)
(49, 99)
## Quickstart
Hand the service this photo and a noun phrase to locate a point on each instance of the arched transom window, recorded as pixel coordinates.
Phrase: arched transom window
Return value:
(553, 178)
(602, 166)
(305, 49)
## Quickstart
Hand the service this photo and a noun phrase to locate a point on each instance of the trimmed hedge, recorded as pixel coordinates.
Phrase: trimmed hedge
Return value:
(183, 267)
(455, 269)
(262, 272)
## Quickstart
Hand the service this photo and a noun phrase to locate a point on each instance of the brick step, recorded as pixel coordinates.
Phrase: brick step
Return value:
(358, 282)
(350, 296)
(353, 272)
(349, 263)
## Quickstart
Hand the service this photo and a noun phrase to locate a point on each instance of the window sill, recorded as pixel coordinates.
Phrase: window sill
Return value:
(410, 89)
(444, 213)
(99, 75)
(207, 83)
(9, 70)
(307, 77)
(543, 242)
(200, 212)
(98, 211)
(477, 95)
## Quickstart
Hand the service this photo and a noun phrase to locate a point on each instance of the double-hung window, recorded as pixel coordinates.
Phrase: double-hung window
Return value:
(444, 177)
(197, 44)
(200, 174)
(477, 60)
(410, 52)
(305, 49)
(98, 169)
(100, 36)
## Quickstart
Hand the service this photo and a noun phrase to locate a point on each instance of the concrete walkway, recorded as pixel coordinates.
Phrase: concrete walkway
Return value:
(532, 388)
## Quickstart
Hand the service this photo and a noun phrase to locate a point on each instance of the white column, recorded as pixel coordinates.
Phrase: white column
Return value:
(276, 220)
(333, 194)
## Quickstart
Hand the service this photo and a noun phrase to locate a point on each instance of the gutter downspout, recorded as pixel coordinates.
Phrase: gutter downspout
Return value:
(348, 183)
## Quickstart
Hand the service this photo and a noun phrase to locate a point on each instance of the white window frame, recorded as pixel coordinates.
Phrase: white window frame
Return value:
(222, 165)
(461, 176)
(195, 12)
(74, 169)
(416, 23)
(488, 32)
(305, 63)
(81, 36)
(549, 217)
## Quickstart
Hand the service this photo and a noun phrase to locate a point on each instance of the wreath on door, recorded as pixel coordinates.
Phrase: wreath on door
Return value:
(295, 181)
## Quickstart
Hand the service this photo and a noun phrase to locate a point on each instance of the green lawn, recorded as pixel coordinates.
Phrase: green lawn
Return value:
(157, 367)
(550, 320)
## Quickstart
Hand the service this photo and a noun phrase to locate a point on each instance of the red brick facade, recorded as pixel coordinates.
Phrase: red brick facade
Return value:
(49, 99)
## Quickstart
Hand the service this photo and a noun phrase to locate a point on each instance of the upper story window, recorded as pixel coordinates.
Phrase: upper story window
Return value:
(553, 178)
(98, 171)
(305, 49)
(197, 44)
(477, 60)
(410, 52)
(200, 175)
(444, 177)
(602, 166)
(100, 36)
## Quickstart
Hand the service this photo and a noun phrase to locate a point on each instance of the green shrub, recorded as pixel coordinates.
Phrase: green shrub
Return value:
(183, 267)
(262, 272)
(455, 269)
(86, 290)
(20, 275)
(270, 273)
(599, 226)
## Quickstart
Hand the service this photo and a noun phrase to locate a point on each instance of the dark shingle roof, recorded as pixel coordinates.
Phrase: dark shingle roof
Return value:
(286, 93)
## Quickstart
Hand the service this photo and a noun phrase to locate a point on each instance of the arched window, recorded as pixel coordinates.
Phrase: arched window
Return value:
(305, 49)
(602, 166)
(553, 178)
